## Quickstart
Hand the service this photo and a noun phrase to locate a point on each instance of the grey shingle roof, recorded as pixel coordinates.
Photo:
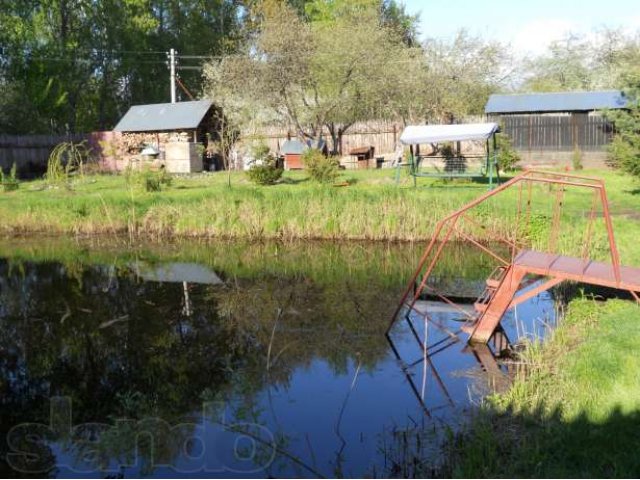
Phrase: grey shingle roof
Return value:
(555, 102)
(164, 116)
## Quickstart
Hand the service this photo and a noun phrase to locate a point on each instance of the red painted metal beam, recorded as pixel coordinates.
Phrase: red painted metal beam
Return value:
(498, 305)
(535, 291)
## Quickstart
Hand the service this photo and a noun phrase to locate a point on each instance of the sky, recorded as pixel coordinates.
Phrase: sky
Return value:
(527, 25)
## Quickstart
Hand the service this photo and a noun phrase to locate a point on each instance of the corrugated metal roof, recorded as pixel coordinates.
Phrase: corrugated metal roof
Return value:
(164, 116)
(555, 102)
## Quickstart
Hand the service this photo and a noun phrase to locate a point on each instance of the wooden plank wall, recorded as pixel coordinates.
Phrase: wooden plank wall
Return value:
(557, 132)
(30, 152)
(382, 135)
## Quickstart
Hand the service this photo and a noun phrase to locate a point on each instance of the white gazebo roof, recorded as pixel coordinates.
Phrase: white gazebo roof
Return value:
(421, 134)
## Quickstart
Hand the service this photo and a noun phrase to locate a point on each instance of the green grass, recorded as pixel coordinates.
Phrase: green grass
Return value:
(204, 206)
(372, 207)
(576, 412)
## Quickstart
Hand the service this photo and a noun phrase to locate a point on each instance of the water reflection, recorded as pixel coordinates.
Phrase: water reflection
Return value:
(226, 359)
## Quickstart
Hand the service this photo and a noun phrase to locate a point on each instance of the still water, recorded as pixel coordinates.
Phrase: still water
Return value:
(228, 359)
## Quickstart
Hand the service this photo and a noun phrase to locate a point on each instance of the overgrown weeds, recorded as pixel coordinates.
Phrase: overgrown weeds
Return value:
(572, 414)
(65, 161)
(148, 178)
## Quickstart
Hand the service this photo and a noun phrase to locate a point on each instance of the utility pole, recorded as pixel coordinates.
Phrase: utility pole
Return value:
(172, 69)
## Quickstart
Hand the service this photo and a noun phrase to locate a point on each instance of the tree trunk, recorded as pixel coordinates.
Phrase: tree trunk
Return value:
(335, 138)
(340, 135)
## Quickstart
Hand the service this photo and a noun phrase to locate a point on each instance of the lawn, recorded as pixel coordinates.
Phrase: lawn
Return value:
(576, 412)
(372, 207)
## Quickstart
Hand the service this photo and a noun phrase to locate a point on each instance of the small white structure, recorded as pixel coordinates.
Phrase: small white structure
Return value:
(451, 164)
(423, 134)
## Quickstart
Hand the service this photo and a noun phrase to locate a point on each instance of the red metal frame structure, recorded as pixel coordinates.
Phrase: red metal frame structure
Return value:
(527, 266)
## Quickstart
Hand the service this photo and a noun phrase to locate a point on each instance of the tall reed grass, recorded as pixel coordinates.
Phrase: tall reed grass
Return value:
(371, 208)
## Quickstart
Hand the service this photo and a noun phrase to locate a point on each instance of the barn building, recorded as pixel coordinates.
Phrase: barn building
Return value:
(546, 128)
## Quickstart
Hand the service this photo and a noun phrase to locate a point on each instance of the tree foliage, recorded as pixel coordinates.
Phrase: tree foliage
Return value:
(327, 69)
(77, 65)
(624, 150)
(580, 62)
(461, 74)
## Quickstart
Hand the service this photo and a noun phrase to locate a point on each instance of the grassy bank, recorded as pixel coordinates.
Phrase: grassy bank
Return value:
(371, 208)
(577, 411)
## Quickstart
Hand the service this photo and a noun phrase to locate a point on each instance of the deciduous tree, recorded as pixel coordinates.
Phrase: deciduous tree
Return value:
(329, 70)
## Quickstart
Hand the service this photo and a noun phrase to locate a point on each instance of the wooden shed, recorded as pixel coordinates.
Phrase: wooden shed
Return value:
(179, 132)
(292, 151)
(363, 155)
(548, 127)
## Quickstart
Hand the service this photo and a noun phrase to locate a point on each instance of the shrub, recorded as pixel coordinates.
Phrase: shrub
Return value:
(265, 173)
(624, 153)
(265, 170)
(320, 168)
(9, 182)
(507, 156)
(446, 150)
(153, 180)
(67, 159)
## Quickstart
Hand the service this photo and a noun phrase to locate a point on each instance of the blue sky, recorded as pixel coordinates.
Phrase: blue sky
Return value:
(528, 25)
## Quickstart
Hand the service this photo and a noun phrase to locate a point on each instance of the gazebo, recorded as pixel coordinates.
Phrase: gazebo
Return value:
(450, 163)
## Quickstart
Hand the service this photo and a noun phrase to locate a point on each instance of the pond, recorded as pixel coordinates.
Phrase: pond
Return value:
(231, 359)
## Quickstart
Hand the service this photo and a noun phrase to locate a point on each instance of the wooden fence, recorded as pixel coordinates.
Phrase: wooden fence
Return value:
(557, 132)
(529, 133)
(381, 135)
(31, 152)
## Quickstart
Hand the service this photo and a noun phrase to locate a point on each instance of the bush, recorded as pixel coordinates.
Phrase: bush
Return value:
(67, 159)
(9, 182)
(149, 179)
(320, 168)
(154, 180)
(265, 170)
(624, 153)
(265, 173)
(507, 156)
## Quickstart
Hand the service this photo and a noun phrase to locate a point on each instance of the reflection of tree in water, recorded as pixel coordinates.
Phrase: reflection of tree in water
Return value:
(298, 321)
(122, 348)
(117, 347)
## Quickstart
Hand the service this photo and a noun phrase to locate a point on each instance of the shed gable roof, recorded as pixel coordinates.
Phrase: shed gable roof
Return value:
(164, 116)
(556, 102)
